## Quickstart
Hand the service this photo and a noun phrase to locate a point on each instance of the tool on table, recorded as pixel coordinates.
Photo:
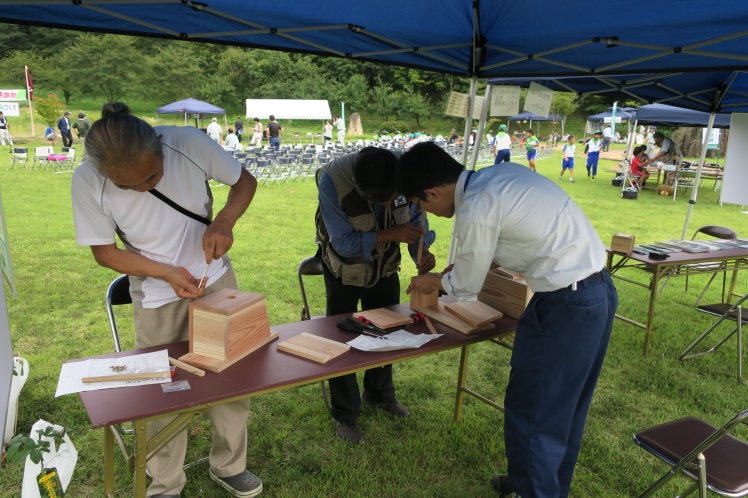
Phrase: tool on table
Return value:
(187, 368)
(352, 325)
(205, 271)
(370, 325)
(420, 317)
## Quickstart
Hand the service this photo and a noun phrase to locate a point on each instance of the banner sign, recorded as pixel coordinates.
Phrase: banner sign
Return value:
(504, 101)
(6, 95)
(458, 105)
(538, 100)
(10, 108)
(713, 143)
(610, 119)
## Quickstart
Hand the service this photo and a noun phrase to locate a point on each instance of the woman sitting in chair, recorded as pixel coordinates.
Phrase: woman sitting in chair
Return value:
(638, 165)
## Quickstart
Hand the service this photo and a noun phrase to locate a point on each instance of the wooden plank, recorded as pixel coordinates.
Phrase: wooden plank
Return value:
(132, 376)
(186, 367)
(313, 347)
(441, 315)
(429, 325)
(420, 299)
(215, 365)
(508, 296)
(384, 318)
(506, 272)
(475, 313)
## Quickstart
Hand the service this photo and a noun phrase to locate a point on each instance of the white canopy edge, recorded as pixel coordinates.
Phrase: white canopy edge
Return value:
(288, 109)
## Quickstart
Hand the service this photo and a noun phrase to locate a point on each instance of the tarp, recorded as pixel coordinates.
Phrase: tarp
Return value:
(288, 109)
(484, 38)
(667, 115)
(190, 106)
(535, 117)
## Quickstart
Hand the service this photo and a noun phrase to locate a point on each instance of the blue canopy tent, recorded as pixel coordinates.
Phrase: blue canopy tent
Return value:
(191, 106)
(531, 116)
(668, 115)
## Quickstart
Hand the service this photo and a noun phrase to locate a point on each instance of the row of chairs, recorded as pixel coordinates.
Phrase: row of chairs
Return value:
(45, 157)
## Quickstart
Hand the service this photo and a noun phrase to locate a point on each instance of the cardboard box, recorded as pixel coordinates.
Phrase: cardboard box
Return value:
(504, 294)
(622, 243)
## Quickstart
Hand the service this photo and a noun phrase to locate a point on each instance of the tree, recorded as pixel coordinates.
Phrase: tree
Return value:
(383, 100)
(354, 93)
(50, 108)
(563, 104)
(105, 66)
(171, 73)
(413, 105)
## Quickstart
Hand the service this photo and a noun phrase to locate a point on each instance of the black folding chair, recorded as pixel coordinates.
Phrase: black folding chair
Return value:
(710, 456)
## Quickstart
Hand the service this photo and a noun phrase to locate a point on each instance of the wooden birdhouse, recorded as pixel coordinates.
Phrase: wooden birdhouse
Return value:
(225, 327)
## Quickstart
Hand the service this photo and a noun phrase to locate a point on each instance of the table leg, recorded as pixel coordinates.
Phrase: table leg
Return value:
(141, 455)
(461, 379)
(108, 462)
(650, 313)
(733, 280)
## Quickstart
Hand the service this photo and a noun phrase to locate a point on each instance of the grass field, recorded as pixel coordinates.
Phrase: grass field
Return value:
(59, 314)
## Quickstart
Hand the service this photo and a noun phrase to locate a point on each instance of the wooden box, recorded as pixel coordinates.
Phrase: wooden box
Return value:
(420, 300)
(622, 243)
(225, 327)
(504, 294)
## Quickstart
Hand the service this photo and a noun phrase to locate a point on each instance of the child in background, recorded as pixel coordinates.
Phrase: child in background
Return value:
(531, 147)
(568, 162)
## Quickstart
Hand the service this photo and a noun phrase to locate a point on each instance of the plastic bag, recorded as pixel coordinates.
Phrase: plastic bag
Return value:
(63, 459)
(18, 379)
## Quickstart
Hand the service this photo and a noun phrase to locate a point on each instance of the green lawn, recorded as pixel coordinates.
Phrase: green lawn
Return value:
(59, 314)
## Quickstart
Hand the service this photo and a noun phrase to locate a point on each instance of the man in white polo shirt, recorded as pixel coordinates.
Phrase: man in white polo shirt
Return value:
(166, 249)
(561, 337)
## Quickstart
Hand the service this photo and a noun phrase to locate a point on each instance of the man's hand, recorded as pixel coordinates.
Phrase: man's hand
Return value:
(407, 233)
(184, 283)
(428, 261)
(426, 283)
(217, 240)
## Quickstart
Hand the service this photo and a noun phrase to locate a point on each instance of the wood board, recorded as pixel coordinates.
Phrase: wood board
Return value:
(313, 347)
(384, 318)
(441, 315)
(419, 299)
(506, 272)
(504, 294)
(475, 313)
(215, 365)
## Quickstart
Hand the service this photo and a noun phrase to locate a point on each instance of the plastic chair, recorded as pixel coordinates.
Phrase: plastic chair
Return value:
(21, 156)
(309, 267)
(118, 294)
(724, 311)
(710, 456)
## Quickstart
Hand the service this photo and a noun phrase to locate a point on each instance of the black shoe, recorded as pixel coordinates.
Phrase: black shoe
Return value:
(392, 407)
(501, 485)
(349, 432)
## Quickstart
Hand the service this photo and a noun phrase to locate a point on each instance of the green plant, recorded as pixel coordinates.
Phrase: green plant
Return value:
(49, 108)
(22, 446)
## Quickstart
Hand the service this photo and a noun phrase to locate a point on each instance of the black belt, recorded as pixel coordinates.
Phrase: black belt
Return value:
(592, 279)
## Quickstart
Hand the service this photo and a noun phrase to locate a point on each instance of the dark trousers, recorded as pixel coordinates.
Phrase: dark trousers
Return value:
(503, 155)
(67, 138)
(558, 352)
(592, 159)
(344, 393)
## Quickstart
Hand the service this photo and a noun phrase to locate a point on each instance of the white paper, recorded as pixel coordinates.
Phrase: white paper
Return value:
(505, 100)
(538, 100)
(399, 339)
(72, 374)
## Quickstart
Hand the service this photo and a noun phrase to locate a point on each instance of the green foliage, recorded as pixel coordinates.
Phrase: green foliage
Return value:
(22, 446)
(393, 126)
(564, 103)
(49, 108)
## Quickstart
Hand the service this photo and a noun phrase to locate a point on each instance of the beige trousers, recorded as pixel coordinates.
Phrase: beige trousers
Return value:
(228, 455)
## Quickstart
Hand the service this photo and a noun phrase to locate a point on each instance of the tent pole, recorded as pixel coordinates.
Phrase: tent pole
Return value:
(630, 144)
(469, 119)
(481, 126)
(695, 188)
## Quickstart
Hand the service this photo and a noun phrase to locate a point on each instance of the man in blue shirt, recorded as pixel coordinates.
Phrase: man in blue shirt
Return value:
(361, 222)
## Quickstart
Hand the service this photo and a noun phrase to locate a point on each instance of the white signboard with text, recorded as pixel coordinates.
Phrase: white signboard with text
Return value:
(538, 100)
(459, 103)
(505, 101)
(10, 108)
(6, 95)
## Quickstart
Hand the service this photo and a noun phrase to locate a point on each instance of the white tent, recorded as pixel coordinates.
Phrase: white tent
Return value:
(288, 109)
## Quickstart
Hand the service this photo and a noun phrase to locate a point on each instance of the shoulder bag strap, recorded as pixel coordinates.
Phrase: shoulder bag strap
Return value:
(177, 207)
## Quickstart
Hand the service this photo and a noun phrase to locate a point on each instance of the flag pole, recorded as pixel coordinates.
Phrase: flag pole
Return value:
(29, 89)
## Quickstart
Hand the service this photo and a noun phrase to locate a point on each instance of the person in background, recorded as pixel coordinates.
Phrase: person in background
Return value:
(215, 132)
(340, 126)
(164, 252)
(239, 128)
(607, 138)
(361, 222)
(275, 132)
(232, 141)
(593, 148)
(568, 161)
(453, 136)
(639, 162)
(502, 146)
(327, 131)
(256, 140)
(63, 124)
(562, 336)
(81, 127)
(51, 134)
(531, 145)
(4, 130)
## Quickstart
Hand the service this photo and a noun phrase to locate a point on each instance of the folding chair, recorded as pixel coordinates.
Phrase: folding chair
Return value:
(724, 311)
(21, 156)
(311, 266)
(118, 294)
(711, 457)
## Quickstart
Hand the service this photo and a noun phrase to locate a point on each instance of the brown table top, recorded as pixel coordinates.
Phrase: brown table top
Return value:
(265, 370)
(683, 257)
